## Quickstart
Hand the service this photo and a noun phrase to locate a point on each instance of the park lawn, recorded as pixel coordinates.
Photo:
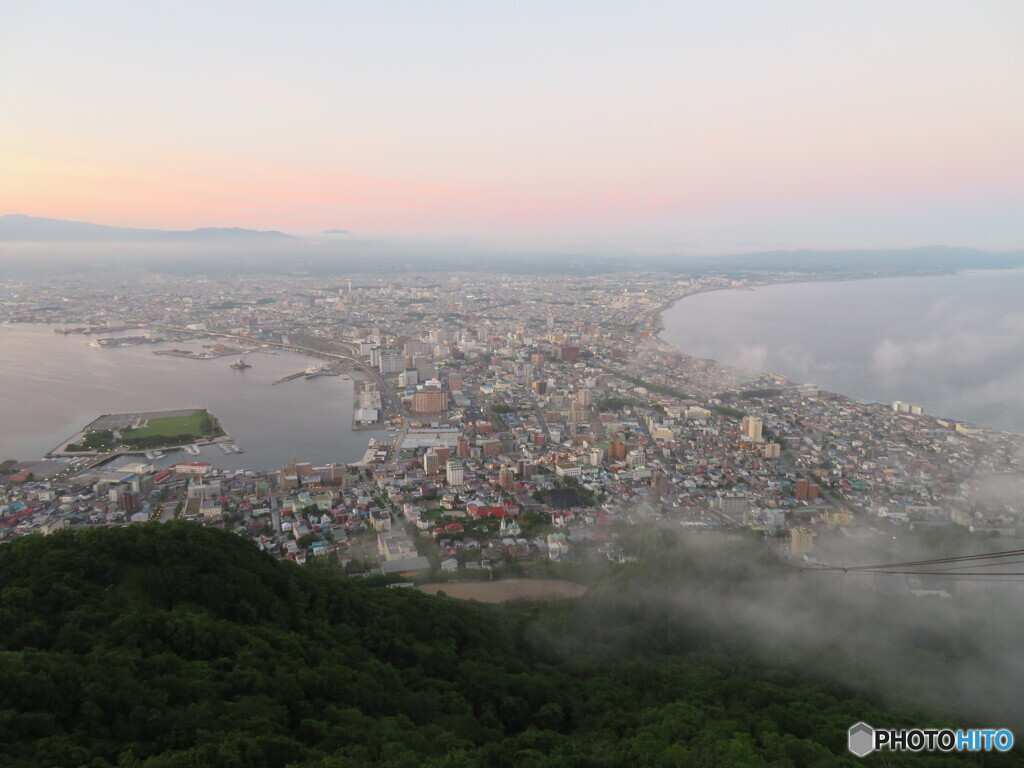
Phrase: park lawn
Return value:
(172, 426)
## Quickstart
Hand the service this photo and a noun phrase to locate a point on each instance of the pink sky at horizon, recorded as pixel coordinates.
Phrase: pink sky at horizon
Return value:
(859, 125)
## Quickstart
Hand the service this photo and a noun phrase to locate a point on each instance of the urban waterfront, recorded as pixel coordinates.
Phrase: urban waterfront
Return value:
(53, 385)
(953, 344)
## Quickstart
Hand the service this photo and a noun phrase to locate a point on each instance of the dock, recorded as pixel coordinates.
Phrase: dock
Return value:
(289, 377)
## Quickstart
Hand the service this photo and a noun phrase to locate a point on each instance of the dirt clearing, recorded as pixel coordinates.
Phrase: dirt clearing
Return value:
(508, 589)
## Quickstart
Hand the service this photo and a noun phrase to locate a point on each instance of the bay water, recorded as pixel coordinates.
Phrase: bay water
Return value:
(52, 385)
(953, 344)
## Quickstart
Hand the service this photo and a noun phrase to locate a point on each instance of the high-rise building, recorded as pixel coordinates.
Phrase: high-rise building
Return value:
(392, 362)
(426, 368)
(752, 427)
(431, 463)
(462, 447)
(805, 490)
(430, 401)
(412, 348)
(506, 478)
(455, 472)
(801, 541)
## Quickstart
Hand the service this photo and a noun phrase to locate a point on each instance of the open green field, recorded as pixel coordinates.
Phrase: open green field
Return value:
(158, 429)
(195, 425)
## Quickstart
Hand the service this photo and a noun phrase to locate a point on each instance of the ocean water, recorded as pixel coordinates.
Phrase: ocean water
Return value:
(953, 344)
(52, 385)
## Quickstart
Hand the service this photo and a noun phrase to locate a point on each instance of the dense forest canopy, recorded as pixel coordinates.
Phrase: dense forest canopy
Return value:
(174, 645)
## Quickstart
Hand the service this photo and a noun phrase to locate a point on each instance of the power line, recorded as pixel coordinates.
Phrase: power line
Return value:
(917, 563)
(991, 576)
(909, 567)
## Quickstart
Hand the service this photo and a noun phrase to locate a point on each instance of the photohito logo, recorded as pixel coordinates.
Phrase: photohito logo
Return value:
(863, 739)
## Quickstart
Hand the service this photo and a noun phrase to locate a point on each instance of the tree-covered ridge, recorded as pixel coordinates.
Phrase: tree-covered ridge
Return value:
(176, 645)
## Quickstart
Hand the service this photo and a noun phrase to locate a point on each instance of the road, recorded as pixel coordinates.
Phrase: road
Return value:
(540, 417)
(275, 514)
(396, 444)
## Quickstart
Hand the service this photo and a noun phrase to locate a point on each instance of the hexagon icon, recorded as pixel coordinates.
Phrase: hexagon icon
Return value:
(861, 739)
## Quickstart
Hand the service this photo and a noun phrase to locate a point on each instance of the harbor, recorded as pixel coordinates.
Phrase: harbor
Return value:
(313, 371)
(367, 405)
(125, 341)
(215, 351)
(271, 424)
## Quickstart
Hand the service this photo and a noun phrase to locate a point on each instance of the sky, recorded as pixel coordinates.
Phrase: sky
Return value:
(652, 127)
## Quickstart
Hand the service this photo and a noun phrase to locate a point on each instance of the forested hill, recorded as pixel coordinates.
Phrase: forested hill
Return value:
(174, 645)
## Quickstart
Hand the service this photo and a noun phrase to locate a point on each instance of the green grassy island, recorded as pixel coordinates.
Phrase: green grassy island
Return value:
(143, 431)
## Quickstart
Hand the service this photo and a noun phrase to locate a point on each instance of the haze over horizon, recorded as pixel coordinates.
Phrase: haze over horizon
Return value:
(673, 128)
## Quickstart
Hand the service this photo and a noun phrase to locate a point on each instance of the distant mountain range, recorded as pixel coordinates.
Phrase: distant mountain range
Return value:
(16, 227)
(338, 251)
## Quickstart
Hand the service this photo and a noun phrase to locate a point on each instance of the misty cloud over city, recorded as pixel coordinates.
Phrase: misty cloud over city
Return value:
(955, 654)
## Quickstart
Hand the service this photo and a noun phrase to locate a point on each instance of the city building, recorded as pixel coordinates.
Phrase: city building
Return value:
(431, 462)
(752, 428)
(805, 490)
(430, 401)
(801, 541)
(455, 472)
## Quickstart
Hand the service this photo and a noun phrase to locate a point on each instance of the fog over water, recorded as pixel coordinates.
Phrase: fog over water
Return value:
(953, 344)
(53, 385)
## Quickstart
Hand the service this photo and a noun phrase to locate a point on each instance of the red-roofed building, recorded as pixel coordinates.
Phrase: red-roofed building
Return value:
(11, 519)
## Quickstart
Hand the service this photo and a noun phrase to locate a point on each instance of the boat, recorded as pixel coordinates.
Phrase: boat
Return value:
(240, 364)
